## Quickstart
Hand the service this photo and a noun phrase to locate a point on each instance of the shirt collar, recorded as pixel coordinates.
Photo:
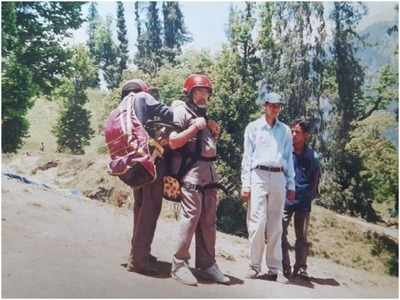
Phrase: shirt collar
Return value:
(265, 123)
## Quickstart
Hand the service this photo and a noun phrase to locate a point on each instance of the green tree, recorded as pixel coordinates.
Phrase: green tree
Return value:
(149, 57)
(292, 60)
(93, 21)
(234, 106)
(122, 38)
(108, 54)
(347, 107)
(34, 58)
(73, 129)
(175, 32)
(140, 38)
(378, 156)
(347, 189)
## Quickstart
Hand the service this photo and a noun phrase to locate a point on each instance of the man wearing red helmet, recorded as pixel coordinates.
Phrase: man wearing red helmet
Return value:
(148, 199)
(199, 203)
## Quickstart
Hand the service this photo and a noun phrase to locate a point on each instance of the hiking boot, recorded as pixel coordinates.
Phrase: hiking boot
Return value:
(287, 271)
(214, 273)
(180, 271)
(252, 272)
(271, 276)
(146, 269)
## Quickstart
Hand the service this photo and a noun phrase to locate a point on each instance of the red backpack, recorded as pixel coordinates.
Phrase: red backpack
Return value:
(128, 145)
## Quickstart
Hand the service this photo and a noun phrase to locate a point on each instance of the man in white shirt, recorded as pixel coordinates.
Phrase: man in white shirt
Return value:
(267, 180)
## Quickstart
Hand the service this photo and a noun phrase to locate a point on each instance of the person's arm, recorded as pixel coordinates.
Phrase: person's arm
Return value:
(164, 112)
(248, 149)
(178, 140)
(289, 172)
(315, 176)
(190, 129)
(158, 109)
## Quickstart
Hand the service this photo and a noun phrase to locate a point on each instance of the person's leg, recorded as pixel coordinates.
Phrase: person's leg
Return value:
(205, 239)
(273, 234)
(146, 214)
(138, 200)
(285, 243)
(301, 220)
(189, 218)
(206, 230)
(256, 218)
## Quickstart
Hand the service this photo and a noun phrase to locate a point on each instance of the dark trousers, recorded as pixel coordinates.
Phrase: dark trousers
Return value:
(146, 210)
(301, 220)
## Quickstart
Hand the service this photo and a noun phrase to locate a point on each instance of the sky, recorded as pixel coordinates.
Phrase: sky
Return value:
(207, 21)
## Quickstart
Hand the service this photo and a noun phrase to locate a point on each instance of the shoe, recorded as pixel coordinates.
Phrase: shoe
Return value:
(302, 272)
(214, 273)
(287, 272)
(146, 270)
(152, 258)
(180, 271)
(252, 272)
(271, 276)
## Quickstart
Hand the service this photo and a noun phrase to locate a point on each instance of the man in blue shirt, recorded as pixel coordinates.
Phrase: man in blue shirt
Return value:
(267, 180)
(307, 170)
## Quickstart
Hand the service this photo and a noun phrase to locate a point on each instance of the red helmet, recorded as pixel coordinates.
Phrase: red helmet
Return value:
(196, 80)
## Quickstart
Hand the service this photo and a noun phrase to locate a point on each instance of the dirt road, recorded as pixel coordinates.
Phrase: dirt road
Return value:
(58, 245)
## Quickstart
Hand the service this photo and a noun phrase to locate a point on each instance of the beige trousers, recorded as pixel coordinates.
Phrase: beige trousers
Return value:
(264, 219)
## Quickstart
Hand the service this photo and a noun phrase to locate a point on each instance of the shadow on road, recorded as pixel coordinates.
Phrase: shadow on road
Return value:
(309, 282)
(164, 271)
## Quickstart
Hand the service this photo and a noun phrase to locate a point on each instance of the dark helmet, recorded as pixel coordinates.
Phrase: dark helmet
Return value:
(134, 85)
(196, 80)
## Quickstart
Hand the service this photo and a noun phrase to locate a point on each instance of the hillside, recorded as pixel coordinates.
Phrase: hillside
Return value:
(60, 245)
(346, 241)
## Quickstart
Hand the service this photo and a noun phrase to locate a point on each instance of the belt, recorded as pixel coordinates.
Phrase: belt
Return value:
(200, 188)
(202, 158)
(269, 169)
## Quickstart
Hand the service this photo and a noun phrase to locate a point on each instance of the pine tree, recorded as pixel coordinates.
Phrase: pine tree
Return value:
(288, 54)
(175, 33)
(93, 20)
(153, 38)
(73, 130)
(122, 38)
(140, 40)
(108, 54)
(149, 56)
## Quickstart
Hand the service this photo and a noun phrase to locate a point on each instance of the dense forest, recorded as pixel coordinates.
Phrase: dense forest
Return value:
(327, 71)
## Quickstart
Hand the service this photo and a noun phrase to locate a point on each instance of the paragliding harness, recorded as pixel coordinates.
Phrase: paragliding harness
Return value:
(174, 180)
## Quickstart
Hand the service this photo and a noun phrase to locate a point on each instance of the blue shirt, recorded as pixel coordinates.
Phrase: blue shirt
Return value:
(307, 177)
(267, 146)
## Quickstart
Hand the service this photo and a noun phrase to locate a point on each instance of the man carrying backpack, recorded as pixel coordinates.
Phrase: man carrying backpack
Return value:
(199, 192)
(148, 198)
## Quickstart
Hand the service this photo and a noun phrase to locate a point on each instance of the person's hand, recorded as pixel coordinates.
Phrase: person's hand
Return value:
(245, 196)
(200, 123)
(214, 127)
(291, 196)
